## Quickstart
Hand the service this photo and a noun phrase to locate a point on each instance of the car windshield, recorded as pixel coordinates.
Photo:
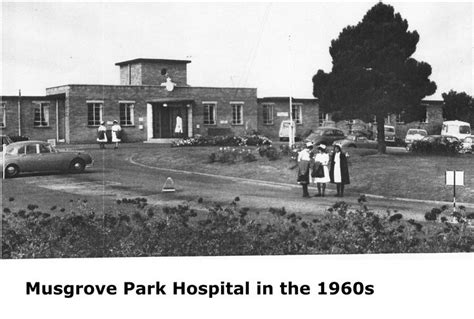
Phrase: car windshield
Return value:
(420, 132)
(390, 129)
(465, 129)
(319, 132)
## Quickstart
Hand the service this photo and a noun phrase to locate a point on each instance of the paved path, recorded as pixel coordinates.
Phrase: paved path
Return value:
(116, 175)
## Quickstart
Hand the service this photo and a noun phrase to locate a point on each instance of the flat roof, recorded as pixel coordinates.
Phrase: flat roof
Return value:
(285, 98)
(140, 60)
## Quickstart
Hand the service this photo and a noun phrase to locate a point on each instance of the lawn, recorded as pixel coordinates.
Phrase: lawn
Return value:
(395, 175)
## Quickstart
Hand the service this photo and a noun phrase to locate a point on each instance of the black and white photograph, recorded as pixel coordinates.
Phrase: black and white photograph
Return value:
(149, 130)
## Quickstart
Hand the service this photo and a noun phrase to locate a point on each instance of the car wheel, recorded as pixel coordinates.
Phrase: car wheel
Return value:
(77, 166)
(11, 171)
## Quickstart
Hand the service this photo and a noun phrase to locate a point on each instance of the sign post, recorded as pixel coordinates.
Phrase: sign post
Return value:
(454, 178)
(3, 160)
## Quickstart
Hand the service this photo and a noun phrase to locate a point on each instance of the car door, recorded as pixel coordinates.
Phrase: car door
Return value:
(48, 159)
(28, 158)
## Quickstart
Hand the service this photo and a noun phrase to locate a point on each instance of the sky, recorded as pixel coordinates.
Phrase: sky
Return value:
(274, 47)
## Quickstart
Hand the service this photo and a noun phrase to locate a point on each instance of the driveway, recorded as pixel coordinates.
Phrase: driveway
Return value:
(116, 175)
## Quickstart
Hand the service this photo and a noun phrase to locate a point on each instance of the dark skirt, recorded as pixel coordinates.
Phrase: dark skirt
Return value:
(303, 172)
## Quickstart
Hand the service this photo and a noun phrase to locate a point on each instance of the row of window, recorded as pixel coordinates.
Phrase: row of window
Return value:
(95, 112)
(126, 113)
(210, 113)
(41, 114)
(296, 113)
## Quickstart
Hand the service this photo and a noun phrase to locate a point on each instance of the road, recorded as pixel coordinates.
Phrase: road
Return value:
(116, 175)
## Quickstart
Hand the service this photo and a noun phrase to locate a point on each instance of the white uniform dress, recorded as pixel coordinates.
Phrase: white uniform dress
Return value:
(322, 158)
(337, 168)
(115, 129)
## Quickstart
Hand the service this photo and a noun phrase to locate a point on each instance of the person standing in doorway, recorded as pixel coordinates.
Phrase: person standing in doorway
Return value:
(102, 135)
(320, 171)
(116, 134)
(339, 172)
(178, 130)
(304, 159)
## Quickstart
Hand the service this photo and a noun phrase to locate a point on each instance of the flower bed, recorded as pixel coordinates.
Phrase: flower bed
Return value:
(134, 229)
(198, 140)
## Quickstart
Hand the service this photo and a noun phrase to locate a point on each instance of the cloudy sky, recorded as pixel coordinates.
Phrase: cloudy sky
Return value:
(275, 47)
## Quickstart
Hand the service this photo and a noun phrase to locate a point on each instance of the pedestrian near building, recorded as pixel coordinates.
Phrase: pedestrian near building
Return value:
(339, 171)
(304, 159)
(116, 134)
(102, 135)
(320, 172)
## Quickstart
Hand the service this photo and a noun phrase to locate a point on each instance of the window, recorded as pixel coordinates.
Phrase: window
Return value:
(41, 114)
(126, 113)
(94, 113)
(296, 113)
(46, 148)
(323, 117)
(267, 114)
(209, 113)
(237, 113)
(3, 115)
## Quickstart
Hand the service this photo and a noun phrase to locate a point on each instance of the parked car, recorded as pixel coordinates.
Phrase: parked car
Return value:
(5, 141)
(39, 156)
(367, 133)
(414, 134)
(390, 135)
(357, 141)
(325, 135)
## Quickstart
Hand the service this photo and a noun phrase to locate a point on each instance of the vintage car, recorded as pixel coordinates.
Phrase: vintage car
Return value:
(414, 134)
(353, 140)
(39, 156)
(325, 135)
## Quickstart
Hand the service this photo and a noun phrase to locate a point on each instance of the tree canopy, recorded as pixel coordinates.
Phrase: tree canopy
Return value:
(373, 73)
(458, 106)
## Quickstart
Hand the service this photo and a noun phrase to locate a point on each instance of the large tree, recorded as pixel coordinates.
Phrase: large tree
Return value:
(458, 106)
(373, 73)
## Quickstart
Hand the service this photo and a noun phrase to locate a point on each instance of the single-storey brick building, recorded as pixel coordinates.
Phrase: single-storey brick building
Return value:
(154, 102)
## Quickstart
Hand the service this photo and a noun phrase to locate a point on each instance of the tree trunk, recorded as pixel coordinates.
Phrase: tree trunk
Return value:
(381, 147)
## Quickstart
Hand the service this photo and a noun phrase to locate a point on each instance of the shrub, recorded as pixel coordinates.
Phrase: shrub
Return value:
(269, 151)
(132, 230)
(247, 140)
(231, 155)
(436, 148)
(17, 138)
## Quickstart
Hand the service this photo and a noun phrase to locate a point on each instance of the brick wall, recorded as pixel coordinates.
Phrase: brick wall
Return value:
(27, 107)
(149, 73)
(78, 95)
(309, 110)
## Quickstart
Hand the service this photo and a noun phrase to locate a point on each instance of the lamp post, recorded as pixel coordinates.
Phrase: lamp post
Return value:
(291, 133)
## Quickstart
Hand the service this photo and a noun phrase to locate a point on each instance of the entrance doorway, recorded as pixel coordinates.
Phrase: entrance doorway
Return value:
(170, 120)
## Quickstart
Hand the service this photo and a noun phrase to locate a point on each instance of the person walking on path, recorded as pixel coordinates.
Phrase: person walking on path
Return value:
(116, 134)
(320, 172)
(102, 135)
(304, 159)
(339, 171)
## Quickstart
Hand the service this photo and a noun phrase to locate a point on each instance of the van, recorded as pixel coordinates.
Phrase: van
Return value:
(284, 133)
(389, 134)
(459, 129)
